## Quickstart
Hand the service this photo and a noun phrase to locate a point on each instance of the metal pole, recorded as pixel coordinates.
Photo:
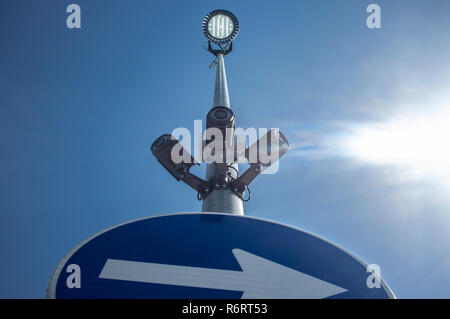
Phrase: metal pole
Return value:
(222, 200)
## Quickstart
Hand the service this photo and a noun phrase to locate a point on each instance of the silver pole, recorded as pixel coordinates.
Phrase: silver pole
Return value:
(222, 200)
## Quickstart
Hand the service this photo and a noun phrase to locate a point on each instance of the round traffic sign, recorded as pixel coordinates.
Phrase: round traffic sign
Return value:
(210, 255)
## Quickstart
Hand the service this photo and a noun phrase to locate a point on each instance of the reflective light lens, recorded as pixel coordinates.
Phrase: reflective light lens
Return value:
(220, 26)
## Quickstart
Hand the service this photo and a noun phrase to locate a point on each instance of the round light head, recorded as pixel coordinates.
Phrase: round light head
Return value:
(220, 26)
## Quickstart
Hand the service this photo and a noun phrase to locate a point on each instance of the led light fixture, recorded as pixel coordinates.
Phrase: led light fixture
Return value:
(220, 26)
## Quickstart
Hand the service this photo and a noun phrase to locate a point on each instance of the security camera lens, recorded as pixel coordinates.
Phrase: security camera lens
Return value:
(160, 142)
(221, 114)
(220, 117)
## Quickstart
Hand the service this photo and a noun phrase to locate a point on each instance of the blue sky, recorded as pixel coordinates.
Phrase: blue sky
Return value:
(79, 110)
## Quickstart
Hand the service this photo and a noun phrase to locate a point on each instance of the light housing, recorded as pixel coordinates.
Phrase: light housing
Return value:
(220, 26)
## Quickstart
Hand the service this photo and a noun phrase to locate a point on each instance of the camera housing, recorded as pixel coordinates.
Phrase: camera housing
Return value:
(275, 145)
(162, 150)
(221, 117)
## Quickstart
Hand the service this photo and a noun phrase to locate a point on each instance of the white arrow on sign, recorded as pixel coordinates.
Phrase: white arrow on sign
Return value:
(260, 278)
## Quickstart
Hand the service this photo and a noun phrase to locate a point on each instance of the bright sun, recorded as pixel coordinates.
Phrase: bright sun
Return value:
(419, 143)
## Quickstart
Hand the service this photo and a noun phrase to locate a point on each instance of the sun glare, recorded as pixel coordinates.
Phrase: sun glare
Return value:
(418, 143)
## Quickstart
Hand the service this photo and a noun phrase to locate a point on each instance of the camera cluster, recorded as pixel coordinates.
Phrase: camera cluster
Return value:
(273, 144)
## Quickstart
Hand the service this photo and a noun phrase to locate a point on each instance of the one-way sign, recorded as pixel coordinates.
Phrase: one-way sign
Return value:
(210, 255)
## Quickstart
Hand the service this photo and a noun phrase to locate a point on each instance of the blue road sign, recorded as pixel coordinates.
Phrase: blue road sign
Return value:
(210, 255)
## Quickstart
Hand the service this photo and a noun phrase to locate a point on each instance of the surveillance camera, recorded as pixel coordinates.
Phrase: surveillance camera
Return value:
(220, 123)
(163, 150)
(220, 117)
(267, 150)
(260, 155)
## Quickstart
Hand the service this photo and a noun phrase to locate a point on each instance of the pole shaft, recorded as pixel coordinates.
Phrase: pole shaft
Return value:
(221, 200)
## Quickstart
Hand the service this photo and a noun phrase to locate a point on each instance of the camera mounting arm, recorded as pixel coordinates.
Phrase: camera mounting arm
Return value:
(223, 50)
(199, 184)
(239, 185)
